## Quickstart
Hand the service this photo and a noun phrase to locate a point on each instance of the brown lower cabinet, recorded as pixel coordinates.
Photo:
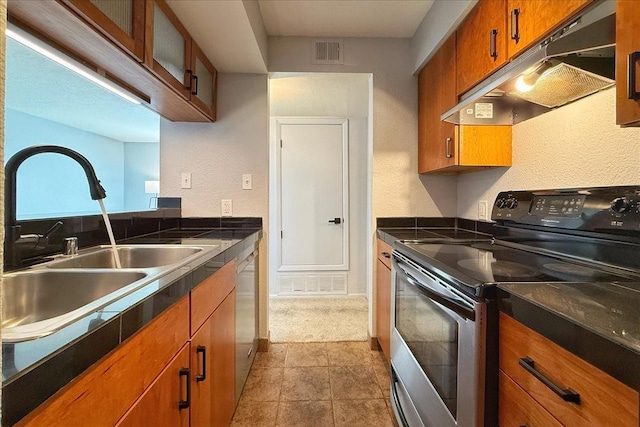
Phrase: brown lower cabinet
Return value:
(163, 375)
(599, 399)
(164, 403)
(213, 362)
(383, 298)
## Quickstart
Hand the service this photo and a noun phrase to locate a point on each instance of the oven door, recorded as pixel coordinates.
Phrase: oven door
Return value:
(437, 350)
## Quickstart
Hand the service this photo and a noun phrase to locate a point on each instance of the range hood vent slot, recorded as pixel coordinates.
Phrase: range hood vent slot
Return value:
(576, 61)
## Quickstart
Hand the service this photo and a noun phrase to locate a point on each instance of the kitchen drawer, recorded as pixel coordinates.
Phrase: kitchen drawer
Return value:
(384, 253)
(517, 408)
(210, 293)
(603, 400)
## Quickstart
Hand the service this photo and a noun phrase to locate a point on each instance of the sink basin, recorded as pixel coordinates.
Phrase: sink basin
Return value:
(130, 257)
(36, 303)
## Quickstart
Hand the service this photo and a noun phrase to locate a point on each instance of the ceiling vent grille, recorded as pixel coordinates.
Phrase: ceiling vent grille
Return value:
(327, 51)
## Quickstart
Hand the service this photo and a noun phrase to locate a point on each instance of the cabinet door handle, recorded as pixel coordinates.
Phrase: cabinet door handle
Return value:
(567, 395)
(447, 148)
(203, 376)
(195, 85)
(189, 79)
(515, 25)
(386, 254)
(184, 404)
(492, 44)
(634, 57)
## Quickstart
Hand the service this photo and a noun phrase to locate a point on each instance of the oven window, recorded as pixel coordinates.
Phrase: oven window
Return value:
(432, 337)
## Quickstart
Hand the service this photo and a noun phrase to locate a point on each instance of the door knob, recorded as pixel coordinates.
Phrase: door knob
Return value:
(336, 220)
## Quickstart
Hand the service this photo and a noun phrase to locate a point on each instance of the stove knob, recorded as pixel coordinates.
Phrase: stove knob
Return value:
(501, 203)
(621, 204)
(512, 202)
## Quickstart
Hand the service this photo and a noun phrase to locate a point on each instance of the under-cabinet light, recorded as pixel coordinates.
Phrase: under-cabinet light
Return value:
(526, 82)
(37, 45)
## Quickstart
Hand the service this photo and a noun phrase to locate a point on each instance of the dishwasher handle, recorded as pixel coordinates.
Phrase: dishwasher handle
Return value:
(245, 262)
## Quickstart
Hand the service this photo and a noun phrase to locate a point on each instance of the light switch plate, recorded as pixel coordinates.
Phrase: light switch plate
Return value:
(482, 209)
(226, 207)
(186, 180)
(246, 181)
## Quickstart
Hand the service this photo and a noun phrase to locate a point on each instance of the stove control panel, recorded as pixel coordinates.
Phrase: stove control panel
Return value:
(603, 209)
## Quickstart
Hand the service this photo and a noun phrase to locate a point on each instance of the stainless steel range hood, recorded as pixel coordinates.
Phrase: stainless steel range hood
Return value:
(576, 61)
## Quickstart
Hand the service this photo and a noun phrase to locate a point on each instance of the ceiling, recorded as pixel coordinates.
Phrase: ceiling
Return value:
(230, 31)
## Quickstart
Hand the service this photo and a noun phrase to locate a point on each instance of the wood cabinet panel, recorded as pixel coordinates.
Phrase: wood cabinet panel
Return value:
(484, 145)
(210, 293)
(131, 367)
(204, 76)
(436, 94)
(383, 308)
(627, 43)
(517, 408)
(603, 399)
(159, 405)
(214, 396)
(384, 252)
(167, 47)
(121, 22)
(530, 21)
(481, 43)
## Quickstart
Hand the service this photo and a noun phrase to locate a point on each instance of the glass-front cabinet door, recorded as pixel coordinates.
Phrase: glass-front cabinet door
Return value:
(121, 21)
(168, 47)
(203, 86)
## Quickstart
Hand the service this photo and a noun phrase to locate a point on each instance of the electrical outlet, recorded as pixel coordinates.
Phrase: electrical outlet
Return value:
(482, 209)
(246, 181)
(226, 207)
(186, 180)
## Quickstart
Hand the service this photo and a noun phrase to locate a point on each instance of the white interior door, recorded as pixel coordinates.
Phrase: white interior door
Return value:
(313, 195)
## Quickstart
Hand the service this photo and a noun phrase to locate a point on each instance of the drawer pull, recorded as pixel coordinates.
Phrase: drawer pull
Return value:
(567, 395)
(386, 254)
(633, 60)
(203, 376)
(515, 27)
(493, 50)
(184, 404)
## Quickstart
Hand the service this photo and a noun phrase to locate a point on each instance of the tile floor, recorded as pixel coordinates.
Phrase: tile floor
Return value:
(316, 384)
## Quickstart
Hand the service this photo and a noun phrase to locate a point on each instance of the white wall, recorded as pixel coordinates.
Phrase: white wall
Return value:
(334, 95)
(141, 163)
(397, 189)
(578, 145)
(122, 168)
(64, 191)
(217, 154)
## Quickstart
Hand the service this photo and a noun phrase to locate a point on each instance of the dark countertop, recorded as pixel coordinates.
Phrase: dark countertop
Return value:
(34, 370)
(390, 235)
(598, 322)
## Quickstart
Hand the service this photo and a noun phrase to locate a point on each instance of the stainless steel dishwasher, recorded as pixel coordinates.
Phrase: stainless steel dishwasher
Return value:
(246, 315)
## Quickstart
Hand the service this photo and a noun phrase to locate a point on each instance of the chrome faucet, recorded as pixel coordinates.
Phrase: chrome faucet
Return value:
(13, 239)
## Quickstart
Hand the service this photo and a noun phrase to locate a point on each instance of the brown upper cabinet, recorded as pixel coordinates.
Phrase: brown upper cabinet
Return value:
(627, 63)
(174, 57)
(482, 43)
(444, 147)
(139, 44)
(120, 21)
(530, 21)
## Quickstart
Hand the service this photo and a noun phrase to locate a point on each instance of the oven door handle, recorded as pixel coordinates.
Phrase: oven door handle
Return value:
(443, 300)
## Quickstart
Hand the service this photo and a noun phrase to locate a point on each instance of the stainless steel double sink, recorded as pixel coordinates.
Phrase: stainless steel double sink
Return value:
(43, 299)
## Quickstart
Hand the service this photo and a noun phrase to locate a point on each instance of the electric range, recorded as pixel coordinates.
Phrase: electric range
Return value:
(444, 328)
